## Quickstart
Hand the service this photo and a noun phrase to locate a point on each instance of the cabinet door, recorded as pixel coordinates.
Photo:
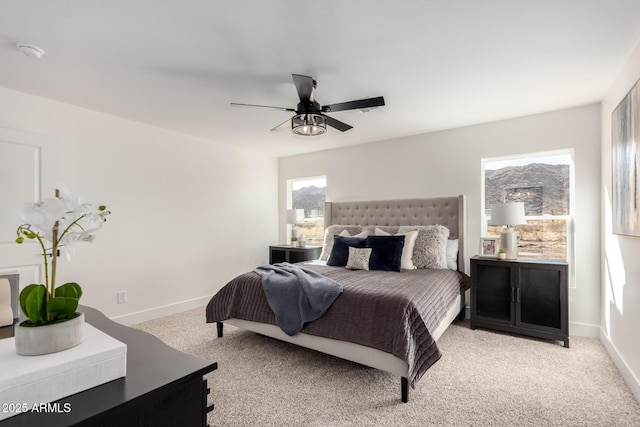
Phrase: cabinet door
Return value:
(298, 256)
(540, 296)
(493, 291)
(278, 255)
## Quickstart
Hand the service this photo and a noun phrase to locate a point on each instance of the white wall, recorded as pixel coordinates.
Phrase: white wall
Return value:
(187, 214)
(620, 267)
(448, 163)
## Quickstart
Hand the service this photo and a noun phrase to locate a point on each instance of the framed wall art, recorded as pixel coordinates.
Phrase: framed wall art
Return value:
(625, 135)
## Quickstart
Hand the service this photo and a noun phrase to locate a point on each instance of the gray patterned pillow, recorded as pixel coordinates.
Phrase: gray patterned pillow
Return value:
(359, 258)
(430, 250)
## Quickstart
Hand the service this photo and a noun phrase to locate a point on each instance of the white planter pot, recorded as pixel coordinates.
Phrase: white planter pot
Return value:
(37, 340)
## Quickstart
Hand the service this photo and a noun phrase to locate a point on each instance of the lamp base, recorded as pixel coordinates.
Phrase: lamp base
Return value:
(509, 242)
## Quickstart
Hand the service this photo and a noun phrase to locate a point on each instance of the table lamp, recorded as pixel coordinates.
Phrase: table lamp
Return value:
(293, 218)
(508, 214)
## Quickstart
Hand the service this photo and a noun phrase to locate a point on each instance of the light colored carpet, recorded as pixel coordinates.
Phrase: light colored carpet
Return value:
(483, 379)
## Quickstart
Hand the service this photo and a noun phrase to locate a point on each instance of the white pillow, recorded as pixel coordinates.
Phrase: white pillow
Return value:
(362, 234)
(407, 250)
(452, 254)
(331, 231)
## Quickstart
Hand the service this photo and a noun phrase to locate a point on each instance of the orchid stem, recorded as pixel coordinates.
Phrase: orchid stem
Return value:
(46, 263)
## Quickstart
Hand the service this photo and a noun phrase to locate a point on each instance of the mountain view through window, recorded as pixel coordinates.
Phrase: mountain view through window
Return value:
(310, 195)
(543, 184)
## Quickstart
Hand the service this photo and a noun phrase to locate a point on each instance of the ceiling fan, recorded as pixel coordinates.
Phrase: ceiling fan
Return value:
(310, 118)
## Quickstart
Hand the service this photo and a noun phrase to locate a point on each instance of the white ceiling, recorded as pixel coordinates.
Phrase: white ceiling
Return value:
(439, 64)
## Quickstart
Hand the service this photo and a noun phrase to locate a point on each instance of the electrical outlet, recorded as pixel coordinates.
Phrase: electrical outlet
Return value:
(122, 297)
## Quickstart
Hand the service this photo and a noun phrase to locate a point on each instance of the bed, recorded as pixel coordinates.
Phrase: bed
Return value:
(360, 325)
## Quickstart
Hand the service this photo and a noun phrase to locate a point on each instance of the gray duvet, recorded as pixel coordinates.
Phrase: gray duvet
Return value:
(390, 311)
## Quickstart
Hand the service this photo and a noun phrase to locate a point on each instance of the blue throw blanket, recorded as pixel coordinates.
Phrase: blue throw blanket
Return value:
(297, 295)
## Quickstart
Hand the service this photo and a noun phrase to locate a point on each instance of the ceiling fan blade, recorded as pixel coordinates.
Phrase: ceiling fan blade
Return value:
(286, 125)
(337, 124)
(304, 87)
(236, 104)
(354, 105)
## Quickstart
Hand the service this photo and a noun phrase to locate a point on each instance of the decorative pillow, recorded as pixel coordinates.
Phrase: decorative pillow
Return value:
(430, 250)
(391, 229)
(407, 251)
(340, 251)
(358, 258)
(345, 233)
(452, 254)
(386, 252)
(331, 231)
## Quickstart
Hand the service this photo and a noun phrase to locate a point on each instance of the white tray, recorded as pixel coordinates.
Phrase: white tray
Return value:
(27, 382)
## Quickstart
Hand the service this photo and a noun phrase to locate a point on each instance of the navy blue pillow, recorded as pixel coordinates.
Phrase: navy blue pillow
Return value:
(386, 252)
(340, 252)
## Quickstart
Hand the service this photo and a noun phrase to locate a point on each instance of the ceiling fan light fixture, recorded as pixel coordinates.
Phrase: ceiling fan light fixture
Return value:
(308, 124)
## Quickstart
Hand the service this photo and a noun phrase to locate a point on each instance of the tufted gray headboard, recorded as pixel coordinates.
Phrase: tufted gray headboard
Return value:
(447, 211)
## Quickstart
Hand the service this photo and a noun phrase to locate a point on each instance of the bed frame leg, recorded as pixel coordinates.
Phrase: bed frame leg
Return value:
(404, 387)
(463, 307)
(220, 326)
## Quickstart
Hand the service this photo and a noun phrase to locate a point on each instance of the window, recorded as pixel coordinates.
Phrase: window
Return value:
(544, 182)
(309, 194)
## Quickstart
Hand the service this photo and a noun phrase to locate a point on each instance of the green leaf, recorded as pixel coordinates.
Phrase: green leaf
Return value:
(24, 294)
(62, 307)
(69, 290)
(33, 301)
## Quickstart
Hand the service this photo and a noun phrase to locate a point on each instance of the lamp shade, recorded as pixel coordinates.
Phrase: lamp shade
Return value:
(507, 214)
(291, 216)
(295, 216)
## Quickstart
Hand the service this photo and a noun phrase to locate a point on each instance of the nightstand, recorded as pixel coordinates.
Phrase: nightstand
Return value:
(523, 296)
(288, 253)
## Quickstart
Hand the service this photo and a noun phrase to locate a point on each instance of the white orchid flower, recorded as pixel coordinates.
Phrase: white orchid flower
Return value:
(63, 221)
(43, 214)
(72, 204)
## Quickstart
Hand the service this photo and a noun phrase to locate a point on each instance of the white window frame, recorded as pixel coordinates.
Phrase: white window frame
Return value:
(569, 219)
(290, 183)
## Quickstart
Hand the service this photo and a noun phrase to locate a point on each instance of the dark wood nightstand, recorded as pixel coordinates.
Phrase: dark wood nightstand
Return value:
(523, 296)
(288, 253)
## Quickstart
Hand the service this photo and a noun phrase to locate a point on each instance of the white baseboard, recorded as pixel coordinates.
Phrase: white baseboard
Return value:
(584, 330)
(165, 310)
(575, 328)
(627, 374)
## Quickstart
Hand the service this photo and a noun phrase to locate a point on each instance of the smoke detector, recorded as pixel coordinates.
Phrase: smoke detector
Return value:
(30, 50)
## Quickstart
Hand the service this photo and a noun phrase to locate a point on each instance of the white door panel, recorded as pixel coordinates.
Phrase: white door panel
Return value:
(29, 164)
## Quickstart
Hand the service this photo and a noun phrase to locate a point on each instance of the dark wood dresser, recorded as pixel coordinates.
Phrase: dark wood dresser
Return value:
(163, 387)
(523, 296)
